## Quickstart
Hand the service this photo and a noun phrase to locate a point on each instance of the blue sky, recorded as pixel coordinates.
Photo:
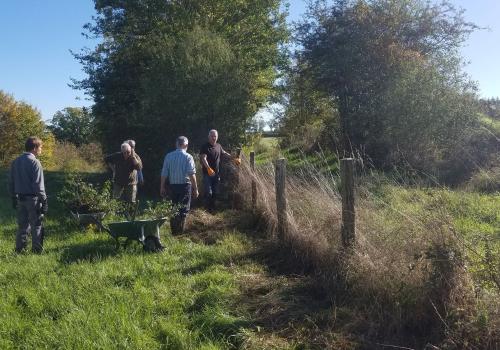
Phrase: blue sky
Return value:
(36, 36)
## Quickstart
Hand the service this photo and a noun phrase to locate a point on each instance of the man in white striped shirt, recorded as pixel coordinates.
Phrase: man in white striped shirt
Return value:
(179, 170)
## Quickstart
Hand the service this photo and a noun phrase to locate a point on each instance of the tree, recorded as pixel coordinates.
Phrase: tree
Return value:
(166, 68)
(18, 121)
(72, 124)
(394, 71)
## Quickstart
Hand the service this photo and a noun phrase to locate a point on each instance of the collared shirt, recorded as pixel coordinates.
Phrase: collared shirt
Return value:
(26, 176)
(177, 166)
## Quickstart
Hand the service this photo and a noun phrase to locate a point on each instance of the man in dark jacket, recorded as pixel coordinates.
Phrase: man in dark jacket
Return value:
(27, 188)
(125, 165)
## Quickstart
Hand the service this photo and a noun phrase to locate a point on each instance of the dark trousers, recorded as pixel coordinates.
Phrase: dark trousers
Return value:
(210, 189)
(180, 195)
(29, 219)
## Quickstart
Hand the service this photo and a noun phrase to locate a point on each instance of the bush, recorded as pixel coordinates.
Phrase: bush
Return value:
(487, 181)
(82, 197)
(87, 158)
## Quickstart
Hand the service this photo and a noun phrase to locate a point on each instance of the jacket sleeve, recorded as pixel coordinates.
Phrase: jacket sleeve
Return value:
(137, 162)
(110, 159)
(38, 181)
(11, 181)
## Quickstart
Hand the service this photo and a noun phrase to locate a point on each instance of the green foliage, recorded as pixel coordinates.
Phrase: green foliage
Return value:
(83, 197)
(74, 125)
(491, 107)
(18, 121)
(158, 210)
(387, 77)
(86, 158)
(167, 68)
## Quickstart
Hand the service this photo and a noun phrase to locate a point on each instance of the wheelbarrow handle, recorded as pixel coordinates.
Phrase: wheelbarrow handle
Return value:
(99, 224)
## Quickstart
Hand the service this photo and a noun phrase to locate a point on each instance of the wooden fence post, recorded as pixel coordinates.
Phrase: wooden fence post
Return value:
(280, 180)
(348, 212)
(254, 184)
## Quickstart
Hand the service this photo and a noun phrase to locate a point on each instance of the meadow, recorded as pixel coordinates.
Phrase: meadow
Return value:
(229, 284)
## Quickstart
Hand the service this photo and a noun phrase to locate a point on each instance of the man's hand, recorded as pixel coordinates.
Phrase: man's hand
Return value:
(237, 161)
(163, 192)
(45, 206)
(195, 193)
(210, 171)
(14, 202)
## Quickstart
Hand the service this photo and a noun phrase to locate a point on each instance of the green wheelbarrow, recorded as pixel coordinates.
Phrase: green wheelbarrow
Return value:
(146, 232)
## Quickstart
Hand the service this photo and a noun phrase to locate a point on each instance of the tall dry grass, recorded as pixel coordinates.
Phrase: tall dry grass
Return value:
(406, 277)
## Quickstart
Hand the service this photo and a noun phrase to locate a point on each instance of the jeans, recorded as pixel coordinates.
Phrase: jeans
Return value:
(181, 194)
(210, 189)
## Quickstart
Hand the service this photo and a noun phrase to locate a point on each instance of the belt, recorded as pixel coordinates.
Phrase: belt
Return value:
(23, 197)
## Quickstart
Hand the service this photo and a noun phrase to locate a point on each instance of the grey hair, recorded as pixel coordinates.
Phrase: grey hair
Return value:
(131, 143)
(125, 147)
(181, 141)
(213, 131)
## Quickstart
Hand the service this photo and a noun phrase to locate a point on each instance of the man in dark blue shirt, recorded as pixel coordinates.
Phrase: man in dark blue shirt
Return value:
(27, 188)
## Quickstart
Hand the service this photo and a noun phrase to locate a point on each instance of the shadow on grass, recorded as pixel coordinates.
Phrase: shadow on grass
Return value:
(90, 251)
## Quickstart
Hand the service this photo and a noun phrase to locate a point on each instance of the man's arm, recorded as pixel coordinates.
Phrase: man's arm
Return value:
(194, 186)
(224, 153)
(12, 190)
(11, 181)
(164, 177)
(110, 160)
(191, 171)
(203, 160)
(136, 161)
(38, 181)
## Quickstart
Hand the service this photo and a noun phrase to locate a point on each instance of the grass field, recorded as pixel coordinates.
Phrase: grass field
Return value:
(222, 286)
(215, 288)
(82, 293)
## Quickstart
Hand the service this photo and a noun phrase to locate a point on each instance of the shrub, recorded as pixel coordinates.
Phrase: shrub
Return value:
(487, 181)
(87, 158)
(82, 197)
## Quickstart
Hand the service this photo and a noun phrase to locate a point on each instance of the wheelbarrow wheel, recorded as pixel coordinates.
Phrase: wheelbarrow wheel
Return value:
(149, 245)
(152, 245)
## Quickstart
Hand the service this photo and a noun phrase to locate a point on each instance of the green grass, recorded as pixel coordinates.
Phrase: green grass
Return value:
(474, 217)
(83, 293)
(491, 124)
(213, 292)
(267, 150)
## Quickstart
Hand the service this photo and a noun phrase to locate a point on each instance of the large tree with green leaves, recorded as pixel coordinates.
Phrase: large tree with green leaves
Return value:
(394, 71)
(74, 125)
(166, 68)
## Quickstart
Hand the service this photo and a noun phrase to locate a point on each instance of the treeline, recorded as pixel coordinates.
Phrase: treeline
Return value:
(384, 78)
(379, 78)
(69, 142)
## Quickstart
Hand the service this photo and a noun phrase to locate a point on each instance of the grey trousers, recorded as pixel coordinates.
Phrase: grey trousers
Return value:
(29, 219)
